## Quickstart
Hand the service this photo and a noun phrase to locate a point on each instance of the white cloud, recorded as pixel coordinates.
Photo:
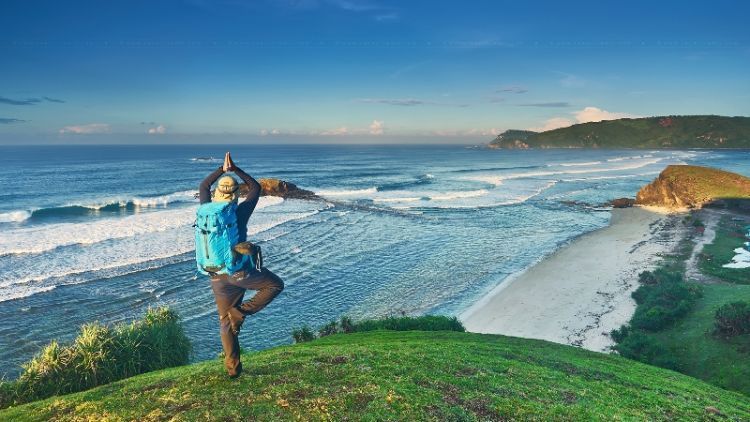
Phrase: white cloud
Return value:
(470, 132)
(553, 123)
(586, 115)
(336, 132)
(376, 127)
(266, 132)
(86, 129)
(593, 114)
(158, 130)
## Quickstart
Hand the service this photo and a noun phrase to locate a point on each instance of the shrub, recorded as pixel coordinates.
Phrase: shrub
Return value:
(639, 346)
(328, 329)
(347, 326)
(100, 355)
(423, 323)
(732, 319)
(404, 323)
(647, 277)
(303, 334)
(663, 298)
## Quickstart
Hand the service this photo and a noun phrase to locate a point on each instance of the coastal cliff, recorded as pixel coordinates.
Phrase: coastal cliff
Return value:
(647, 132)
(684, 186)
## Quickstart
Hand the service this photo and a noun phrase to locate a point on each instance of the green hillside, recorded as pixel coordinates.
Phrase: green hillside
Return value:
(387, 375)
(648, 132)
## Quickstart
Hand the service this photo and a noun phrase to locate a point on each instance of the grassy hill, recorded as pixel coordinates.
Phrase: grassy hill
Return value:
(648, 132)
(693, 186)
(415, 375)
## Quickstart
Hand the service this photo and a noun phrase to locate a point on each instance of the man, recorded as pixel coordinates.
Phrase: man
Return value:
(229, 290)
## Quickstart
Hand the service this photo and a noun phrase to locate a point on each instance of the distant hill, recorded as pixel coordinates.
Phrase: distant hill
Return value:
(683, 186)
(647, 132)
(417, 375)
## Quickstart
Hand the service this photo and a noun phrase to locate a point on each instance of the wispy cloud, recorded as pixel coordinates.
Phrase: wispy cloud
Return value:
(53, 100)
(376, 10)
(388, 17)
(514, 89)
(468, 132)
(343, 130)
(28, 101)
(407, 102)
(88, 129)
(548, 104)
(571, 81)
(10, 120)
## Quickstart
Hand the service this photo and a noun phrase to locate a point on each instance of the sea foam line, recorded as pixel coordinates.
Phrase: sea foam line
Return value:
(38, 239)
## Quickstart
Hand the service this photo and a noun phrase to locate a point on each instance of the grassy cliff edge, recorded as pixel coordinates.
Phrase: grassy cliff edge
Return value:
(411, 375)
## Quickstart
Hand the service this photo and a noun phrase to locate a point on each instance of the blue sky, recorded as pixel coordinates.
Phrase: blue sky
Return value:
(359, 70)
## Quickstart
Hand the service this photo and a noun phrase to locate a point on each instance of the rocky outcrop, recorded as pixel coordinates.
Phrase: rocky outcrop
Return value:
(683, 186)
(621, 203)
(511, 139)
(277, 187)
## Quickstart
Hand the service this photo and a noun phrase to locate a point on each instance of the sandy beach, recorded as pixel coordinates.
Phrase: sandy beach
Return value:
(580, 293)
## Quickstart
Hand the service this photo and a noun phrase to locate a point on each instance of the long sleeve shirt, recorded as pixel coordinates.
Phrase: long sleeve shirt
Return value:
(245, 208)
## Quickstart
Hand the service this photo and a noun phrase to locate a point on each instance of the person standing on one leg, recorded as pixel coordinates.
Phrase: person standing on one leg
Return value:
(229, 284)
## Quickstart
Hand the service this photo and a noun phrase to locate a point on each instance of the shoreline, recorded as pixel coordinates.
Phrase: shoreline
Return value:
(581, 292)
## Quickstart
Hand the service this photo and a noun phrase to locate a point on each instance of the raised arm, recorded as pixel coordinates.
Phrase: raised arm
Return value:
(205, 186)
(248, 205)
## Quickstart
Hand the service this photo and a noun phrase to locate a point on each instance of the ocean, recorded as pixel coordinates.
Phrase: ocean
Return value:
(105, 232)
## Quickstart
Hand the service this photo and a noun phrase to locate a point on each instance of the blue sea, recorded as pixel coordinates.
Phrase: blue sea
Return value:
(104, 232)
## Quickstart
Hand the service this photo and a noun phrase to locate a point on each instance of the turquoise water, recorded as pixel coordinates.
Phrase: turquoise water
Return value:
(102, 233)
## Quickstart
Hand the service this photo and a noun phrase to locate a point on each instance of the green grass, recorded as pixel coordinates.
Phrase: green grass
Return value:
(729, 236)
(723, 362)
(404, 375)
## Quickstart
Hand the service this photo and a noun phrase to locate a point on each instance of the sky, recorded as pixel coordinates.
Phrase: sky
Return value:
(349, 71)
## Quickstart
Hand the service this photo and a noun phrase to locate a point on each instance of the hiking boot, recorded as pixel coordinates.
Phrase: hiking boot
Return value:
(234, 373)
(236, 318)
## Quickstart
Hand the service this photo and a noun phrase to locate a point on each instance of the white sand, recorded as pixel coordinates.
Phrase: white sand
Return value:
(581, 292)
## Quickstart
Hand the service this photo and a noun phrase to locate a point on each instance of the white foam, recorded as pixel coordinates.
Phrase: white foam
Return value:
(113, 257)
(140, 201)
(588, 163)
(14, 216)
(344, 192)
(458, 195)
(38, 239)
(497, 179)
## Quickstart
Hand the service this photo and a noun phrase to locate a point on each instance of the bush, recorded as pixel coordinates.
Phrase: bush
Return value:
(423, 323)
(303, 334)
(404, 323)
(663, 299)
(732, 319)
(100, 355)
(647, 277)
(638, 346)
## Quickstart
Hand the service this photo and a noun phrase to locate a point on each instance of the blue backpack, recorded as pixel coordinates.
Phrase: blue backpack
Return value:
(216, 234)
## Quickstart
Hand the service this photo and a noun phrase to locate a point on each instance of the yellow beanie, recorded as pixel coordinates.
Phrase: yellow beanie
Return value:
(226, 190)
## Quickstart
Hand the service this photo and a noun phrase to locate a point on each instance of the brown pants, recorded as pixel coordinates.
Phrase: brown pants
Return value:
(229, 292)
